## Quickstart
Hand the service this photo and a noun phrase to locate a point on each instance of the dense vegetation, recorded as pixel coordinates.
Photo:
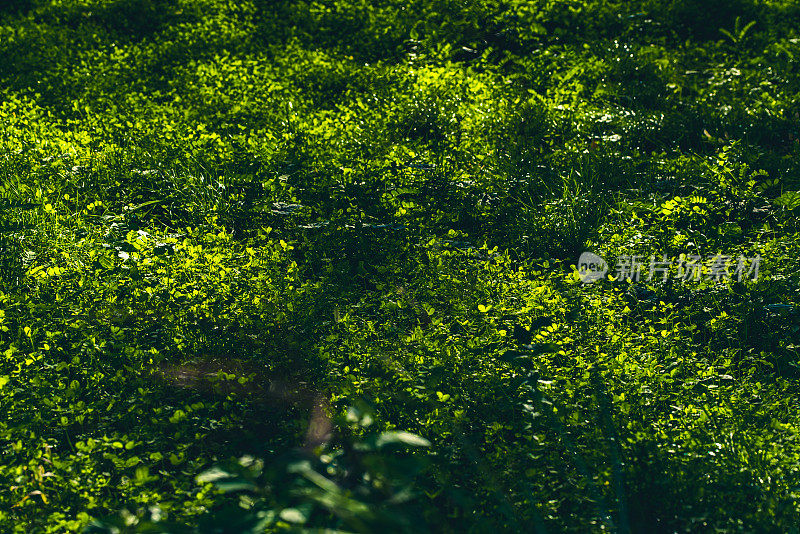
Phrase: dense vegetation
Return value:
(285, 264)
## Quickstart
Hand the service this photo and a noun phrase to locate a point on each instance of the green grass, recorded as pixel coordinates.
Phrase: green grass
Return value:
(281, 265)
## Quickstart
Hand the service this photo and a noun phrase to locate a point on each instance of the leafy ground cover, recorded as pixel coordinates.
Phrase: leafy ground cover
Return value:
(272, 265)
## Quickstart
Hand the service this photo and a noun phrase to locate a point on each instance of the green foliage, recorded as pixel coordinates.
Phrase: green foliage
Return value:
(360, 485)
(251, 252)
(739, 31)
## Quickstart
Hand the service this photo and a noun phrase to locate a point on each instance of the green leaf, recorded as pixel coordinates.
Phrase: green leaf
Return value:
(211, 475)
(400, 438)
(790, 200)
(238, 484)
(294, 515)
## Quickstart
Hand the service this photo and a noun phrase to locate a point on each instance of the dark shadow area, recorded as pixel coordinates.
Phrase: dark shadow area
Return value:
(16, 7)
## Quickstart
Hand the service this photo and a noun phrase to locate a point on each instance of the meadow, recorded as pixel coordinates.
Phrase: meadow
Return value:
(313, 265)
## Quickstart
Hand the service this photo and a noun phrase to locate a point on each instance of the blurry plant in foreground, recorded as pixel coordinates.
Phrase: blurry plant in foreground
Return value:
(360, 481)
